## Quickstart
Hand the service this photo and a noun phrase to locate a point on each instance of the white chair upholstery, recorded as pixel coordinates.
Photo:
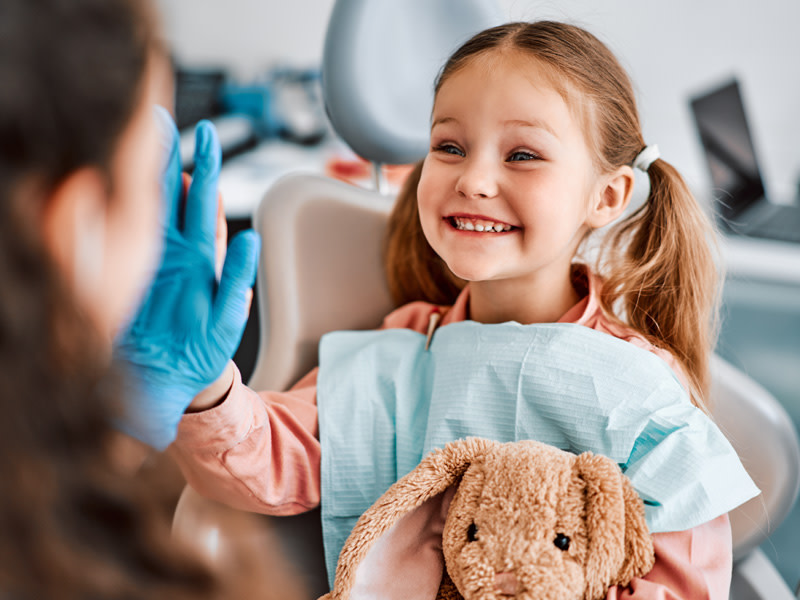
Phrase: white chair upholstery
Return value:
(765, 438)
(320, 270)
(763, 435)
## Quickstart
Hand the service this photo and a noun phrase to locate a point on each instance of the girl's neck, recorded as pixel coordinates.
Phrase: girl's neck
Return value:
(544, 300)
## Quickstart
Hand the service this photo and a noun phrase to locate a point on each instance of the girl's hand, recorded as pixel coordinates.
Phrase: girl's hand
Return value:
(190, 324)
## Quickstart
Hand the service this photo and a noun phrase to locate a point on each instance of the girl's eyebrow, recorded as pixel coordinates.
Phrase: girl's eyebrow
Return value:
(443, 120)
(537, 124)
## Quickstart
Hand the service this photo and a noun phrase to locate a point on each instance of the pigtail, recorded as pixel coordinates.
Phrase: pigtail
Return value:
(413, 270)
(661, 274)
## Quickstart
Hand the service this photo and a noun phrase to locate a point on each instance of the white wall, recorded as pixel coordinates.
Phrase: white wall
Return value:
(671, 48)
(246, 35)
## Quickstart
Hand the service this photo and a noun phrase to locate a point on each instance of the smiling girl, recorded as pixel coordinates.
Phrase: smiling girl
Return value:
(534, 138)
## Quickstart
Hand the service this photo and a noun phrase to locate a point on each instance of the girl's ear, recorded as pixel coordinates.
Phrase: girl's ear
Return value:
(394, 551)
(612, 197)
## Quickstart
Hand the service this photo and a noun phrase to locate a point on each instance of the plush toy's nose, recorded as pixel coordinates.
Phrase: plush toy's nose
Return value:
(506, 583)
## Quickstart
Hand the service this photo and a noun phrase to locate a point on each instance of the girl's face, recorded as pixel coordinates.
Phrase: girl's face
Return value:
(507, 184)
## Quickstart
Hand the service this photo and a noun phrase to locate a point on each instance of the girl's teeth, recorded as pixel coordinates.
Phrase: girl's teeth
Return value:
(469, 225)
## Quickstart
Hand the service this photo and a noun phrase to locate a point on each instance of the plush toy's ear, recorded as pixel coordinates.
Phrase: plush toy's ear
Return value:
(619, 545)
(639, 553)
(394, 551)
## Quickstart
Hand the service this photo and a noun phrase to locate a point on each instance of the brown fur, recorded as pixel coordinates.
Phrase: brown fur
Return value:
(520, 496)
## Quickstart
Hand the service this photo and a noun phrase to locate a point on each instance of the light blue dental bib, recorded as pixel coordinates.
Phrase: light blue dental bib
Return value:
(385, 402)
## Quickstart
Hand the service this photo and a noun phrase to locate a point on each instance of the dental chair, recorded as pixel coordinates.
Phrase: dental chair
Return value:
(321, 271)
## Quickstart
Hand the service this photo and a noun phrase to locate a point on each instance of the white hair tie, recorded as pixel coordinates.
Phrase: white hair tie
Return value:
(646, 157)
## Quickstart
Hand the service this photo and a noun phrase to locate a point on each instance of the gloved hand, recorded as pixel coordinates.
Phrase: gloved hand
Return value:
(189, 325)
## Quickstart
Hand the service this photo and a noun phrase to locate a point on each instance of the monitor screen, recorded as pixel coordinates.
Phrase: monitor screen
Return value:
(722, 125)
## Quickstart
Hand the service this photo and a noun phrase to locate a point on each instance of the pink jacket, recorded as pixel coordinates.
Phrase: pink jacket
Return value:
(259, 451)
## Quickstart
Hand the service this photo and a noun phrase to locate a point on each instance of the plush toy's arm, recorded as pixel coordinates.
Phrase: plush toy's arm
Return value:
(689, 564)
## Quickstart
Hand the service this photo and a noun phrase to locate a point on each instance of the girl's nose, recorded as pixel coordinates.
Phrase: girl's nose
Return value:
(477, 181)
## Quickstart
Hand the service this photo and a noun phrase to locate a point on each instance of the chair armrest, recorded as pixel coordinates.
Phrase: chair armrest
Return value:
(755, 578)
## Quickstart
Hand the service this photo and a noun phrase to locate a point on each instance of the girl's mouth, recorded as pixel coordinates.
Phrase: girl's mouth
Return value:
(479, 225)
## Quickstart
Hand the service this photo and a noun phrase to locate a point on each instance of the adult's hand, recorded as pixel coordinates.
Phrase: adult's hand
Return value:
(190, 323)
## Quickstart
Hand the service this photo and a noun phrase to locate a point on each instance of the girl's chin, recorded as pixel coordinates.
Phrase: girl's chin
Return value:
(470, 273)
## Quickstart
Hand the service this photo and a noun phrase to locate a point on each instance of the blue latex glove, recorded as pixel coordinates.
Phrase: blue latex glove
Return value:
(189, 324)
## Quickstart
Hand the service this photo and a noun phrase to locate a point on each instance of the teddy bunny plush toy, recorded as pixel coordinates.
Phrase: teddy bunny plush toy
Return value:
(482, 520)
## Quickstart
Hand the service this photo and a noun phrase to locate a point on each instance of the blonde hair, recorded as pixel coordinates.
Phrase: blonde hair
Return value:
(658, 264)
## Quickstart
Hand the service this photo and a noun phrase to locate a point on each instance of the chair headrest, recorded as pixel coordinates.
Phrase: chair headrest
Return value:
(379, 65)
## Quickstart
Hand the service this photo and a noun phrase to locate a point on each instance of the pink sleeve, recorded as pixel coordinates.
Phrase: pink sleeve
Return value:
(255, 451)
(258, 451)
(689, 564)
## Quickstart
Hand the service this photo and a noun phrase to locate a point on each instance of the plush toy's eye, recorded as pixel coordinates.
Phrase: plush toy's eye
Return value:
(561, 542)
(472, 532)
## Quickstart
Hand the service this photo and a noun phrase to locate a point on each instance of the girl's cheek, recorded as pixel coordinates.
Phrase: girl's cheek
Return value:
(429, 183)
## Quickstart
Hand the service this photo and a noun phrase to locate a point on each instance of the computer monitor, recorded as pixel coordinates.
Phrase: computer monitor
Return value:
(725, 136)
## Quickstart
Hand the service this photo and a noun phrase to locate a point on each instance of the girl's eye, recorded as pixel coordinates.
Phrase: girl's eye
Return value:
(449, 149)
(521, 155)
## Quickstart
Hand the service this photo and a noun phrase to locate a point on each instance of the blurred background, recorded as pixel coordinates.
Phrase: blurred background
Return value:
(671, 49)
(261, 59)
